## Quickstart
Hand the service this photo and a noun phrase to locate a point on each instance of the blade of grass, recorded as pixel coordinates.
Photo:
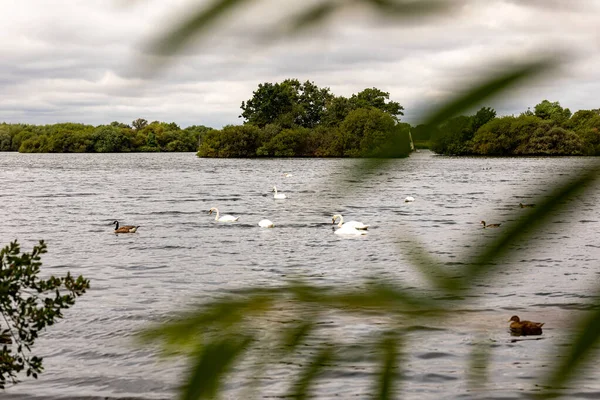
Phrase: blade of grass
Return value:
(413, 8)
(389, 347)
(488, 88)
(311, 372)
(473, 96)
(312, 16)
(582, 349)
(199, 23)
(214, 360)
(523, 229)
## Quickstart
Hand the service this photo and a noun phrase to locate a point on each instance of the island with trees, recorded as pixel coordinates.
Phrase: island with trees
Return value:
(300, 119)
(548, 130)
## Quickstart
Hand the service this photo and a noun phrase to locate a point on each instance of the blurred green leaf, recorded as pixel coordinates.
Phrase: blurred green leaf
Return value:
(560, 198)
(584, 347)
(389, 348)
(314, 15)
(185, 330)
(214, 360)
(201, 21)
(291, 338)
(491, 86)
(479, 360)
(473, 96)
(410, 8)
(310, 373)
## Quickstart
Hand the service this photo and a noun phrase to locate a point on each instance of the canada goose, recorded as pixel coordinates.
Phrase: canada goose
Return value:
(524, 328)
(278, 196)
(265, 223)
(125, 228)
(224, 218)
(489, 225)
(526, 205)
(354, 224)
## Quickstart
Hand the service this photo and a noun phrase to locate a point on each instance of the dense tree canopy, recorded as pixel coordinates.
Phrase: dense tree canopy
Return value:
(548, 130)
(113, 138)
(293, 119)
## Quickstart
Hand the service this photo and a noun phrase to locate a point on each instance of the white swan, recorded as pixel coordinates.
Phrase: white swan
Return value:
(288, 175)
(409, 199)
(265, 223)
(278, 196)
(224, 218)
(350, 230)
(354, 224)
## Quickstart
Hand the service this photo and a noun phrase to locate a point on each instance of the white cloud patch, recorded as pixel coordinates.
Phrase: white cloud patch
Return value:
(81, 61)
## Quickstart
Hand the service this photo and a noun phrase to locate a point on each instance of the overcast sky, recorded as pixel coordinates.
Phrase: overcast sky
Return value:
(84, 60)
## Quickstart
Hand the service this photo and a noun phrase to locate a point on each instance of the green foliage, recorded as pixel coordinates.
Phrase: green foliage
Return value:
(376, 98)
(552, 111)
(368, 132)
(112, 138)
(289, 104)
(28, 305)
(139, 124)
(231, 141)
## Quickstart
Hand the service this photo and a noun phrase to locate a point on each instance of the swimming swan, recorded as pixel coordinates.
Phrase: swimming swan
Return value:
(350, 230)
(277, 196)
(354, 224)
(125, 228)
(409, 199)
(265, 223)
(224, 218)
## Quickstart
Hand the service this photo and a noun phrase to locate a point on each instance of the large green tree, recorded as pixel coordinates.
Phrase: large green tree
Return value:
(373, 97)
(289, 103)
(552, 111)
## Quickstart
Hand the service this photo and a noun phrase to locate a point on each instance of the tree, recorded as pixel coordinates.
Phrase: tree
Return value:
(336, 111)
(288, 104)
(28, 305)
(366, 132)
(374, 97)
(139, 124)
(552, 111)
(231, 141)
(482, 117)
(270, 101)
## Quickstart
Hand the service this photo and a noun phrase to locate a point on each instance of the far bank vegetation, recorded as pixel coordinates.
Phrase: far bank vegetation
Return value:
(295, 119)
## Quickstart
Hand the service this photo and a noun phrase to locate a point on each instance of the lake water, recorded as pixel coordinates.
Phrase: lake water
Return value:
(181, 254)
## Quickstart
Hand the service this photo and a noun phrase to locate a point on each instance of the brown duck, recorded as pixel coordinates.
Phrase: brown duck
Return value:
(489, 225)
(524, 328)
(526, 205)
(125, 228)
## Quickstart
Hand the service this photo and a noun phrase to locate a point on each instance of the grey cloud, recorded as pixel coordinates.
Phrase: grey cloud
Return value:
(88, 67)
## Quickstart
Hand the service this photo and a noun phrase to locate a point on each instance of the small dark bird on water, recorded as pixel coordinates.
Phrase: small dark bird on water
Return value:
(490, 225)
(526, 205)
(518, 327)
(125, 228)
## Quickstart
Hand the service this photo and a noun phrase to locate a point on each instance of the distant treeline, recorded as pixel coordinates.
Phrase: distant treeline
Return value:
(113, 138)
(294, 119)
(547, 130)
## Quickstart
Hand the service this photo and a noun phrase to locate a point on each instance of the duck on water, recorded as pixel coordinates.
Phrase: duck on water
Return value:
(125, 228)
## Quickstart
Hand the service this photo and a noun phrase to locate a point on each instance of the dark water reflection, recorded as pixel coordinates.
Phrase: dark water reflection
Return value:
(181, 254)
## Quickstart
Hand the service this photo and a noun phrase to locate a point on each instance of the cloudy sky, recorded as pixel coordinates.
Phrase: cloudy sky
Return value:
(89, 60)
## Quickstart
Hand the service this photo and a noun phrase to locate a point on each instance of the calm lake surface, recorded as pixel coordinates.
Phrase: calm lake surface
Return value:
(180, 255)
